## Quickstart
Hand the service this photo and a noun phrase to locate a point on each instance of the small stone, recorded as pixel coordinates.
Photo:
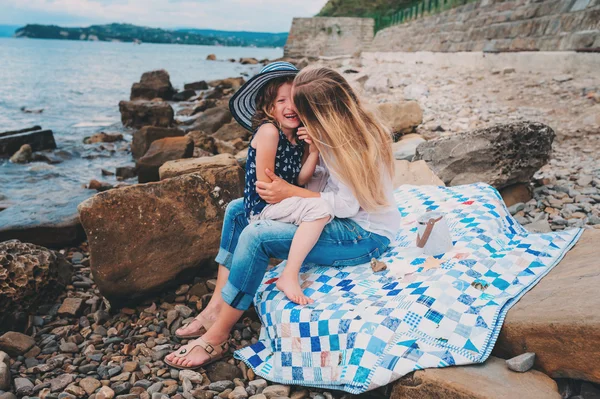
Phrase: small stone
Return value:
(130, 367)
(156, 387)
(187, 385)
(121, 377)
(238, 393)
(23, 387)
(9, 395)
(75, 390)
(61, 382)
(562, 78)
(15, 344)
(584, 180)
(258, 396)
(90, 385)
(507, 71)
(221, 386)
(225, 394)
(259, 385)
(70, 307)
(101, 316)
(300, 394)
(276, 390)
(184, 311)
(516, 208)
(122, 388)
(521, 363)
(191, 375)
(211, 284)
(66, 395)
(220, 371)
(69, 347)
(105, 393)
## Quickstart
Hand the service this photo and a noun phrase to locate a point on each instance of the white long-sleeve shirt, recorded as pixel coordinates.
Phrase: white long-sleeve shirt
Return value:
(385, 221)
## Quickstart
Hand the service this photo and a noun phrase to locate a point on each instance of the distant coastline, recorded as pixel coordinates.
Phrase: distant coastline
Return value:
(140, 34)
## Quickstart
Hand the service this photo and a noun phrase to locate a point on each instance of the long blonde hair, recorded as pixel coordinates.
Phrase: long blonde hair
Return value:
(353, 144)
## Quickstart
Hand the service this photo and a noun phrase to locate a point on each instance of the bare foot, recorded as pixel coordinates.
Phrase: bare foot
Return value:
(289, 284)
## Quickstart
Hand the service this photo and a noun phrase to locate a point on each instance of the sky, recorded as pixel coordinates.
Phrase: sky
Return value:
(248, 15)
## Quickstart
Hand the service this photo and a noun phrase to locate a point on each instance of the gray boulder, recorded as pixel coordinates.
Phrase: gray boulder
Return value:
(146, 113)
(153, 84)
(500, 155)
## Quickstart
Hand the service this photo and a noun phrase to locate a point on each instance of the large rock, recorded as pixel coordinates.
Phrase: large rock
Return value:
(152, 85)
(209, 166)
(11, 142)
(231, 131)
(23, 155)
(145, 136)
(4, 371)
(558, 318)
(161, 151)
(491, 380)
(416, 173)
(401, 117)
(228, 83)
(30, 275)
(146, 113)
(500, 155)
(200, 85)
(212, 119)
(51, 223)
(143, 237)
(203, 141)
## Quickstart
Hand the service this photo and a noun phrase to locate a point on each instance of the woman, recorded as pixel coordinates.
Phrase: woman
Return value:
(357, 153)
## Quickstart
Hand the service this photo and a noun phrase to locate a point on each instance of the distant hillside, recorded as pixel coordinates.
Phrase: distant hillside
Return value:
(360, 8)
(8, 30)
(131, 33)
(258, 39)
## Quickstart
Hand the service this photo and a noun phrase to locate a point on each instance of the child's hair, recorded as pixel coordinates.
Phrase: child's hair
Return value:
(266, 99)
(352, 142)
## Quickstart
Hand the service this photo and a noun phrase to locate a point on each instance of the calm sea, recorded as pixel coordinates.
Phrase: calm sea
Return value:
(78, 85)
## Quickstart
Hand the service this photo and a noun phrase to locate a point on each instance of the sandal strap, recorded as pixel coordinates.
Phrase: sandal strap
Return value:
(211, 350)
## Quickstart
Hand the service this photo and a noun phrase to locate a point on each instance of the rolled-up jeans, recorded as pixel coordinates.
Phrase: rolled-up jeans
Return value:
(246, 248)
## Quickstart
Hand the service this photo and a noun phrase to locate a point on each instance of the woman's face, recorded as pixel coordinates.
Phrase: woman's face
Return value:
(284, 110)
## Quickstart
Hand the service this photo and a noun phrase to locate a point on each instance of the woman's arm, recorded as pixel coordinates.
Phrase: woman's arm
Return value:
(340, 198)
(265, 141)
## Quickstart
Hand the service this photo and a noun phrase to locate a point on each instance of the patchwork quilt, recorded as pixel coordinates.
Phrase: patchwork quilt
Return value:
(368, 329)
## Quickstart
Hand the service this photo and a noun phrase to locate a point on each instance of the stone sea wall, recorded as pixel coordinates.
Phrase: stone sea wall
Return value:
(328, 36)
(496, 25)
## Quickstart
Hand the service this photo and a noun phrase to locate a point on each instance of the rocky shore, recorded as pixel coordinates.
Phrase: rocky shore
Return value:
(100, 321)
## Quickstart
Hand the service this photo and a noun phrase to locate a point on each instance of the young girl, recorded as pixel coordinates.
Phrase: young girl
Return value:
(275, 146)
(358, 154)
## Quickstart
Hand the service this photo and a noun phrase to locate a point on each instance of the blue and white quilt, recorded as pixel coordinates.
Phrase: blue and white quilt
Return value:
(368, 329)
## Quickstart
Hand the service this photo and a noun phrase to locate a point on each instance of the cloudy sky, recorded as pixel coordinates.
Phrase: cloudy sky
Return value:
(251, 15)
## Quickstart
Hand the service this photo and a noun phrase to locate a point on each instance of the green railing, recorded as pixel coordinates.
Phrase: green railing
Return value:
(414, 10)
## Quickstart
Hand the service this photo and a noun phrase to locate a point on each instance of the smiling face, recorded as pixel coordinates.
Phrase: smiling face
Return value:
(283, 108)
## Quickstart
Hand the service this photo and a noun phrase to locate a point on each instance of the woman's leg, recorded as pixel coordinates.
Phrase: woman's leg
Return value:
(233, 224)
(342, 242)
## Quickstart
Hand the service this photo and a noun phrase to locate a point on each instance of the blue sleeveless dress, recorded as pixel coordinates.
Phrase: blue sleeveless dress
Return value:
(288, 162)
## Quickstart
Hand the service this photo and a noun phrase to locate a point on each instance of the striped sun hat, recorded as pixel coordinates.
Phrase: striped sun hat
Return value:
(243, 103)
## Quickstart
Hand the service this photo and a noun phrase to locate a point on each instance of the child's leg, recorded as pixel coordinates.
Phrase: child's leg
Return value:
(306, 237)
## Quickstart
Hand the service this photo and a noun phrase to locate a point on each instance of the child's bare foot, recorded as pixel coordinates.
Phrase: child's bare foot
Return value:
(289, 284)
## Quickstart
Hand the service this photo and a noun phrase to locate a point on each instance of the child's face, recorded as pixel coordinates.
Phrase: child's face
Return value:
(283, 109)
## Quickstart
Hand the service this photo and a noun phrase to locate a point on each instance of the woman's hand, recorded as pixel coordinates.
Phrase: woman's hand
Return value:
(303, 135)
(276, 191)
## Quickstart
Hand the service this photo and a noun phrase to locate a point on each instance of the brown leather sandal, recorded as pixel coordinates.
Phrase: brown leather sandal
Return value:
(205, 324)
(215, 352)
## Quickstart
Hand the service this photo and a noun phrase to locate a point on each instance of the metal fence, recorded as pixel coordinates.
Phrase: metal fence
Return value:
(414, 10)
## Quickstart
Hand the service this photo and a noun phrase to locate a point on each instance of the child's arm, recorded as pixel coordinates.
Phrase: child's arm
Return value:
(310, 159)
(265, 141)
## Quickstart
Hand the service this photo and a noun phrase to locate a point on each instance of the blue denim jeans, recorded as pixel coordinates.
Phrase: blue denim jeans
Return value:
(246, 248)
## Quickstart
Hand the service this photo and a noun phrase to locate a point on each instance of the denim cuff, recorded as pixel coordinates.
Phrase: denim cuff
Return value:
(236, 298)
(224, 257)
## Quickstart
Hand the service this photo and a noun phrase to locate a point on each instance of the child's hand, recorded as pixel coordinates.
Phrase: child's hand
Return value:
(303, 135)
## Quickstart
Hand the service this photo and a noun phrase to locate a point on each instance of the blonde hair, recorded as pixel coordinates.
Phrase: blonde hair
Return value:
(352, 142)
